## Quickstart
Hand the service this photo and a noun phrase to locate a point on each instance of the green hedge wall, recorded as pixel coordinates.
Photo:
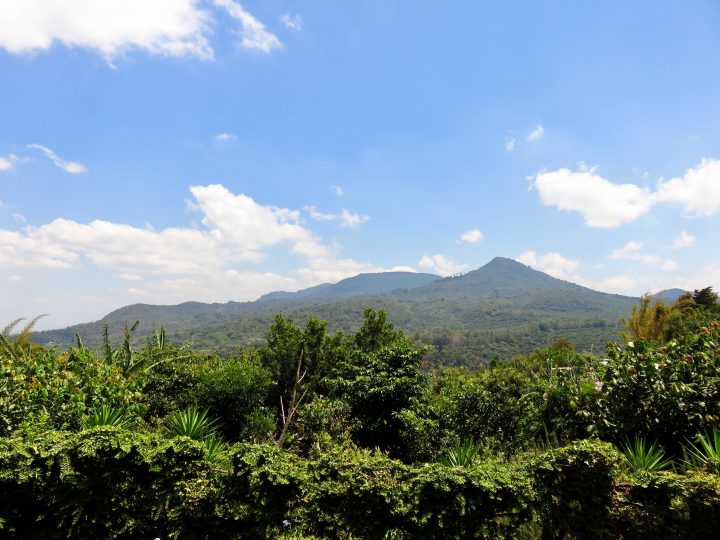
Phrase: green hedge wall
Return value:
(111, 483)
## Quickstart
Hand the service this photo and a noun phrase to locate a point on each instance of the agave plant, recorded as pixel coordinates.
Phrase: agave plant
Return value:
(105, 416)
(214, 446)
(193, 423)
(462, 453)
(642, 457)
(706, 453)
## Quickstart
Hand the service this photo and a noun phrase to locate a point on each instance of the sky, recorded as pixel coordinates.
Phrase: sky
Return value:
(216, 150)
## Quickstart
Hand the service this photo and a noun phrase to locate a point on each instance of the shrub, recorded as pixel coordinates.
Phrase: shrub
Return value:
(235, 392)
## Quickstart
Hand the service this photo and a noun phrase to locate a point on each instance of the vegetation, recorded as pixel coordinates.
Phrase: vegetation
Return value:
(326, 434)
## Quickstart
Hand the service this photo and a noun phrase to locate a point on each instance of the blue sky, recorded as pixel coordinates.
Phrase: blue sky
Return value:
(215, 150)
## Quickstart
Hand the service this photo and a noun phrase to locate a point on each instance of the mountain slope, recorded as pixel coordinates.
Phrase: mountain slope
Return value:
(377, 283)
(498, 310)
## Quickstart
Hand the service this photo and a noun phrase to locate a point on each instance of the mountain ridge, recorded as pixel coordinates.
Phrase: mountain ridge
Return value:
(502, 306)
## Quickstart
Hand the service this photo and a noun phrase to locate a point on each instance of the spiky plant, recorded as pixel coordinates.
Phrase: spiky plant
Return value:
(462, 453)
(105, 416)
(706, 453)
(214, 446)
(641, 457)
(193, 423)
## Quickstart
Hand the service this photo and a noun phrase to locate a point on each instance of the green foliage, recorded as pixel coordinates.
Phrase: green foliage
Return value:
(493, 407)
(193, 423)
(449, 454)
(61, 387)
(663, 393)
(705, 452)
(105, 416)
(234, 392)
(641, 457)
(462, 453)
(378, 386)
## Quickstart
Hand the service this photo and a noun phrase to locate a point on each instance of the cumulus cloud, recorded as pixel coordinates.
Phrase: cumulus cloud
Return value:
(698, 190)
(337, 190)
(14, 278)
(685, 240)
(214, 261)
(510, 145)
(472, 236)
(600, 202)
(669, 265)
(67, 166)
(441, 265)
(253, 33)
(178, 28)
(168, 27)
(224, 137)
(551, 263)
(536, 134)
(293, 22)
(605, 204)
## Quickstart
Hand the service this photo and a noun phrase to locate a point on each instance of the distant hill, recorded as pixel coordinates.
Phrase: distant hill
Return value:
(377, 283)
(669, 295)
(499, 310)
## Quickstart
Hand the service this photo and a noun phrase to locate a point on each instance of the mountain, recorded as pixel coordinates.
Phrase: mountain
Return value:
(669, 295)
(501, 309)
(377, 283)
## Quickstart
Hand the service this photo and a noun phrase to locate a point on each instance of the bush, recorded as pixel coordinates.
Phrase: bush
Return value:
(662, 393)
(235, 392)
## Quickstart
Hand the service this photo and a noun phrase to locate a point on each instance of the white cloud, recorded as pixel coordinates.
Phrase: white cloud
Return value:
(67, 166)
(7, 163)
(551, 263)
(224, 137)
(402, 269)
(337, 190)
(606, 204)
(351, 219)
(685, 240)
(237, 229)
(622, 284)
(601, 202)
(253, 33)
(669, 265)
(536, 134)
(698, 190)
(239, 222)
(168, 27)
(293, 22)
(441, 265)
(472, 236)
(319, 216)
(510, 145)
(632, 251)
(14, 278)
(345, 217)
(18, 216)
(129, 277)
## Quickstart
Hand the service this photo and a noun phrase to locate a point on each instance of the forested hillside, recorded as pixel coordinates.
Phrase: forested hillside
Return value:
(499, 310)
